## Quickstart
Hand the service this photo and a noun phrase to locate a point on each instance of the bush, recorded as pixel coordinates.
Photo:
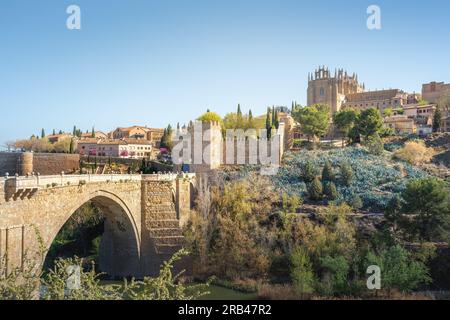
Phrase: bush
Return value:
(278, 292)
(315, 190)
(399, 271)
(356, 202)
(415, 152)
(302, 274)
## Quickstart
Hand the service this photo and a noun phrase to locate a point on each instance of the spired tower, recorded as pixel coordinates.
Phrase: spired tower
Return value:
(325, 89)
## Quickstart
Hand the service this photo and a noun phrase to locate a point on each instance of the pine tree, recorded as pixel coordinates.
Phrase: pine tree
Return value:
(61, 132)
(437, 119)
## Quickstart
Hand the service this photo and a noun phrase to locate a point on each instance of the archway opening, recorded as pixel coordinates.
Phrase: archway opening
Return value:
(100, 232)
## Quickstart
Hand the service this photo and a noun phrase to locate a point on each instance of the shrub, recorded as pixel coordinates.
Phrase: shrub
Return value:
(302, 274)
(277, 292)
(398, 269)
(415, 152)
(327, 172)
(330, 191)
(356, 202)
(315, 189)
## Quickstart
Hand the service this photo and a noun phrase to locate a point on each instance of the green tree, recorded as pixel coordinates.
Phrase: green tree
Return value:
(302, 274)
(426, 201)
(344, 120)
(437, 119)
(42, 133)
(210, 116)
(93, 132)
(335, 279)
(72, 146)
(374, 144)
(346, 174)
(315, 190)
(308, 171)
(327, 172)
(330, 191)
(314, 120)
(388, 112)
(268, 124)
(398, 269)
(369, 122)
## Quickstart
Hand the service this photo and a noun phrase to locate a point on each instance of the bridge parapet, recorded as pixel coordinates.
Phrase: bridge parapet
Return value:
(37, 182)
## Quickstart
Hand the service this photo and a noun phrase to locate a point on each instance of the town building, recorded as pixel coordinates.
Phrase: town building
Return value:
(97, 134)
(54, 138)
(139, 132)
(433, 92)
(122, 148)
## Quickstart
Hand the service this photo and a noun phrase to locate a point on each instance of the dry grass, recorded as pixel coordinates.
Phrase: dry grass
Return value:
(415, 153)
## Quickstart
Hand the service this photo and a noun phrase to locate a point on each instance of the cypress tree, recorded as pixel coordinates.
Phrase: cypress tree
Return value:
(315, 190)
(268, 124)
(71, 146)
(330, 191)
(327, 172)
(437, 119)
(93, 132)
(42, 133)
(346, 174)
(74, 132)
(54, 132)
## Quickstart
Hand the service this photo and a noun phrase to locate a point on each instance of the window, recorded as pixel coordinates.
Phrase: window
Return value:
(322, 92)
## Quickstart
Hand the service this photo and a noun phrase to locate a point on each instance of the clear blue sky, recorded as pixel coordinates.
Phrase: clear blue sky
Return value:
(166, 61)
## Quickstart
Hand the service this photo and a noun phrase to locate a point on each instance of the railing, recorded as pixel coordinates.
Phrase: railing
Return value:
(40, 182)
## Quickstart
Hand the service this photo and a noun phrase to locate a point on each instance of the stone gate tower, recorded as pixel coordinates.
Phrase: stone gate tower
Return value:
(331, 90)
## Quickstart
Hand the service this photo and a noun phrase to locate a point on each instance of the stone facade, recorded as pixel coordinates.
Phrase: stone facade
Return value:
(24, 163)
(325, 89)
(142, 213)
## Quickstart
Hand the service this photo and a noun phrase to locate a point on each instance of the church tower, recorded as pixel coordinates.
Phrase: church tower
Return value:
(331, 90)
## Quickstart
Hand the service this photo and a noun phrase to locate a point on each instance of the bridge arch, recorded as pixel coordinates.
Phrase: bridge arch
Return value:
(119, 253)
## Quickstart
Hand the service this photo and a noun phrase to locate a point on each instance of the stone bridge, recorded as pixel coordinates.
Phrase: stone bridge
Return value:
(143, 217)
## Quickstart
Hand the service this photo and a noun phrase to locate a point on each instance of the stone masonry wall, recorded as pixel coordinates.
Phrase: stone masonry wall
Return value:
(55, 163)
(8, 163)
